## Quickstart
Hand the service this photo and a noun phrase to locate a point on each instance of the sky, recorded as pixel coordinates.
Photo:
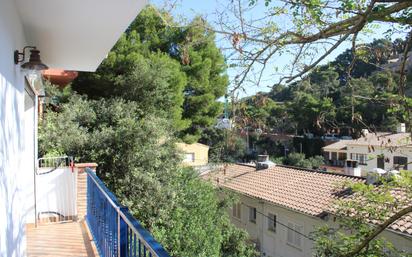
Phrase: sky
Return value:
(190, 8)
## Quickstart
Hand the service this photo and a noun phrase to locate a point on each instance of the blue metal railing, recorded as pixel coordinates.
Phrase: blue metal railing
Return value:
(115, 231)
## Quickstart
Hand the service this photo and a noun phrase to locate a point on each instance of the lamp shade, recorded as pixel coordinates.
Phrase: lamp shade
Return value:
(34, 62)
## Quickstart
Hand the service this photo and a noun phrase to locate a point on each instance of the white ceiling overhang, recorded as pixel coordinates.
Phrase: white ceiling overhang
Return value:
(76, 34)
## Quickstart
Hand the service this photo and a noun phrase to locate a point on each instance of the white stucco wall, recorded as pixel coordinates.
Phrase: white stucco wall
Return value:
(14, 167)
(56, 192)
(373, 155)
(274, 244)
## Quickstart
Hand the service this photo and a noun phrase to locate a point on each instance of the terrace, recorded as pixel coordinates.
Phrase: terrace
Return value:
(106, 229)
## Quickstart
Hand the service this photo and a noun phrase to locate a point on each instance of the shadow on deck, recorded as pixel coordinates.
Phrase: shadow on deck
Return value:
(60, 239)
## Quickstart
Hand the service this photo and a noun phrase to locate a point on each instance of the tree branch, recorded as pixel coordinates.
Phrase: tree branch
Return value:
(354, 30)
(402, 79)
(377, 231)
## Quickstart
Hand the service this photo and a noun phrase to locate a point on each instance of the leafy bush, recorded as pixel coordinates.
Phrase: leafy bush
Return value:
(138, 161)
(299, 160)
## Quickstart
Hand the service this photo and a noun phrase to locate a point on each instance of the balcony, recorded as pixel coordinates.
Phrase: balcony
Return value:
(107, 230)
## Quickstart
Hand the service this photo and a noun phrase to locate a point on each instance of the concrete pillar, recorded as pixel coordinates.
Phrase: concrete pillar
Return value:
(81, 201)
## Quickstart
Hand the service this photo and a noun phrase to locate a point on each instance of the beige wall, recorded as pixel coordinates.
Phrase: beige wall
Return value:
(194, 154)
(274, 244)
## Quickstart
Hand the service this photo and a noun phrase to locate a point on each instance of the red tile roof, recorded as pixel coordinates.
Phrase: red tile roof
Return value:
(309, 192)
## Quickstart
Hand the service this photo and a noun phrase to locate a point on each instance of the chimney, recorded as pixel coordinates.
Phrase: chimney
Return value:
(401, 128)
(373, 177)
(263, 162)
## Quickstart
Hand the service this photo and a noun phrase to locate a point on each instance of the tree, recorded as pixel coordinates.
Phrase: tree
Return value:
(369, 58)
(157, 61)
(363, 216)
(225, 145)
(185, 229)
(310, 32)
(255, 111)
(138, 161)
(206, 82)
(153, 81)
(299, 160)
(352, 102)
(311, 113)
(201, 60)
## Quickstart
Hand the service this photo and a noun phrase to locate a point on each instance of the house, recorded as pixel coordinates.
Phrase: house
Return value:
(280, 206)
(69, 35)
(195, 154)
(383, 150)
(395, 63)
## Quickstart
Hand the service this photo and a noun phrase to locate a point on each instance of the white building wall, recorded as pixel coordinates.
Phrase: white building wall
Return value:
(16, 172)
(274, 244)
(372, 156)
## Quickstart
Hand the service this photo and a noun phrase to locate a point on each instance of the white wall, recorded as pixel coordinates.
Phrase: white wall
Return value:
(373, 155)
(13, 165)
(274, 244)
(56, 191)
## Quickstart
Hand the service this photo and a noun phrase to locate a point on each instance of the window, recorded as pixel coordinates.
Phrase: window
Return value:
(342, 156)
(252, 214)
(360, 157)
(189, 157)
(400, 162)
(326, 156)
(236, 210)
(272, 222)
(294, 236)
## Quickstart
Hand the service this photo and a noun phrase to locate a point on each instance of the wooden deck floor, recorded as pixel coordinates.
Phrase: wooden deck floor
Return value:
(60, 239)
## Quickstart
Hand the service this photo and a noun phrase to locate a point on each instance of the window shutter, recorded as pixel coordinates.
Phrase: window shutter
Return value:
(290, 233)
(298, 237)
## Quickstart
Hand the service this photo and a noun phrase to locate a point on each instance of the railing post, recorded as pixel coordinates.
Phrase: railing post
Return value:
(123, 243)
(119, 251)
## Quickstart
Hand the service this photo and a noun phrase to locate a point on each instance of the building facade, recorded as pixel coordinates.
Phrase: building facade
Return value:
(195, 154)
(387, 151)
(280, 206)
(281, 232)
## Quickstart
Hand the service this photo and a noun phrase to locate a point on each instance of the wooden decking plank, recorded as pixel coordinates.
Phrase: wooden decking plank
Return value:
(60, 240)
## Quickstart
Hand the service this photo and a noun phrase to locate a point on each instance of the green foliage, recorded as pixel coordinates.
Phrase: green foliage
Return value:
(299, 160)
(368, 204)
(205, 68)
(179, 72)
(153, 81)
(225, 146)
(327, 100)
(137, 159)
(310, 112)
(199, 222)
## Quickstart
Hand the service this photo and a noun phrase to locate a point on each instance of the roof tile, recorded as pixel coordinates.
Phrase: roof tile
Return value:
(305, 191)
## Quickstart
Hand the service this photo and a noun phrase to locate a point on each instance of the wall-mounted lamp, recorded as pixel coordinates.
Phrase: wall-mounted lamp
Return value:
(34, 62)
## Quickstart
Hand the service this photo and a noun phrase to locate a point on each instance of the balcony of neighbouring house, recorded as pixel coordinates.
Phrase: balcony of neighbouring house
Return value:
(77, 215)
